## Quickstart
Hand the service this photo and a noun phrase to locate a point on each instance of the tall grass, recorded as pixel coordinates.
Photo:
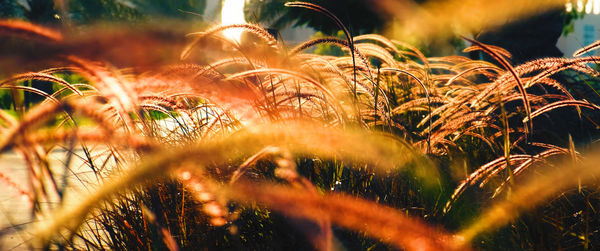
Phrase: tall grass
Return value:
(256, 145)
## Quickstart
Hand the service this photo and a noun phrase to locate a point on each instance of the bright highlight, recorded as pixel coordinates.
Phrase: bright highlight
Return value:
(589, 6)
(233, 13)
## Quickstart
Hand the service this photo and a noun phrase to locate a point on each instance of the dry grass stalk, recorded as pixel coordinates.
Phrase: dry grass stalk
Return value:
(250, 105)
(531, 193)
(29, 30)
(378, 221)
(298, 138)
(589, 48)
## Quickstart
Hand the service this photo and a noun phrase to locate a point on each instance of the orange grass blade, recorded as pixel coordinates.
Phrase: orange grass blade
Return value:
(380, 151)
(338, 22)
(512, 71)
(438, 20)
(42, 77)
(29, 30)
(252, 28)
(537, 190)
(587, 49)
(563, 103)
(385, 223)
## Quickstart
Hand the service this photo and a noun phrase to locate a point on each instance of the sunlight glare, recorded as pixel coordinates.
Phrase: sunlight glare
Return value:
(569, 6)
(588, 7)
(233, 13)
(579, 6)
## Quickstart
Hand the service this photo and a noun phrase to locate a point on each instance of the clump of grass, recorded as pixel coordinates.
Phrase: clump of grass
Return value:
(188, 154)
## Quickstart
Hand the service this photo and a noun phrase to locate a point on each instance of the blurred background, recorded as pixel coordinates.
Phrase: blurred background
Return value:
(527, 32)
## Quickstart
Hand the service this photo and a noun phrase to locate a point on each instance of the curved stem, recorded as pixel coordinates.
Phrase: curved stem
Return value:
(426, 94)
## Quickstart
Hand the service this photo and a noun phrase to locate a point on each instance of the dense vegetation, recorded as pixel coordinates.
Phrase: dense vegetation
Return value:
(257, 146)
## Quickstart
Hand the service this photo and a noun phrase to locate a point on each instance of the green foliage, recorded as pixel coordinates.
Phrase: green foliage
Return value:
(85, 11)
(358, 15)
(569, 19)
(89, 11)
(328, 49)
(6, 99)
(10, 9)
(137, 10)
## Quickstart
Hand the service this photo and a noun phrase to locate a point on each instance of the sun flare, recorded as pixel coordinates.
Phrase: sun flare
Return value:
(233, 13)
